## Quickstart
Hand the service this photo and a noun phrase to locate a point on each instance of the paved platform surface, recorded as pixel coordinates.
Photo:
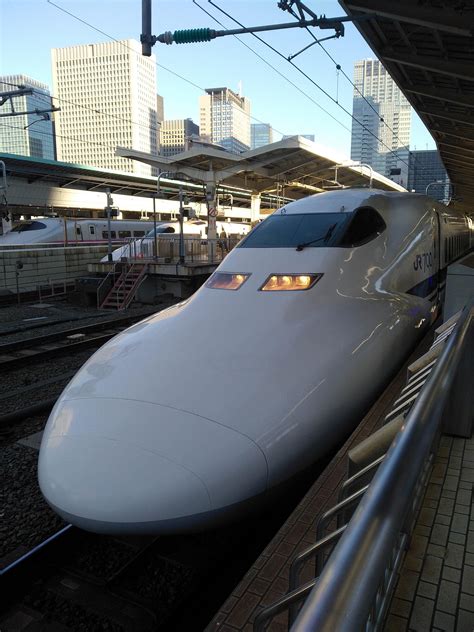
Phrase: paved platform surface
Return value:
(435, 590)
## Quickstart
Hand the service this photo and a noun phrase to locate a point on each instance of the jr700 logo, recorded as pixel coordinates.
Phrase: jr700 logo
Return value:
(423, 262)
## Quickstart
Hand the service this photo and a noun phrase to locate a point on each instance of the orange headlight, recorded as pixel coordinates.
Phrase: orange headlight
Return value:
(289, 282)
(226, 280)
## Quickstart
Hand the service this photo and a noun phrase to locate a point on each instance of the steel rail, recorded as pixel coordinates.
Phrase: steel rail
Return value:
(344, 594)
(27, 557)
(58, 335)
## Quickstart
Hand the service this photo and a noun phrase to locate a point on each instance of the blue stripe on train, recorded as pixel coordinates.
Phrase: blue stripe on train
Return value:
(425, 288)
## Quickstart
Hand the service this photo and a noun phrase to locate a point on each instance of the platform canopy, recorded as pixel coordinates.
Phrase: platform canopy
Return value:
(428, 49)
(294, 167)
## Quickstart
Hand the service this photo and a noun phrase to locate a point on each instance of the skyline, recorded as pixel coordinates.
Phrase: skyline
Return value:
(222, 62)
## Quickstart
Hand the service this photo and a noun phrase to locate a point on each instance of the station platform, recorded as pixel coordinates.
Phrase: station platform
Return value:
(435, 588)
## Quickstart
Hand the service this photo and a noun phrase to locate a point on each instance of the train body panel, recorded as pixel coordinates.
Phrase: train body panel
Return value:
(238, 390)
(55, 230)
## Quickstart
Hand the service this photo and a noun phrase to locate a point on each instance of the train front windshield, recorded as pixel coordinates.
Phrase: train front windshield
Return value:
(290, 231)
(24, 226)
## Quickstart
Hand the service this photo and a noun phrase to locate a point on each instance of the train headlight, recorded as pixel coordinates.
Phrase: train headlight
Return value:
(289, 282)
(226, 281)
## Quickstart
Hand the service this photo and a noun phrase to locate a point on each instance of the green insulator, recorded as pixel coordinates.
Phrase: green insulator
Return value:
(192, 35)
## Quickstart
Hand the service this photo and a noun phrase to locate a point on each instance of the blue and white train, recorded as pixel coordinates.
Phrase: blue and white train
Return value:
(264, 370)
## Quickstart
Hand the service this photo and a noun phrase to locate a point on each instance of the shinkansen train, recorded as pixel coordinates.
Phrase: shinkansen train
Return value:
(194, 228)
(57, 230)
(264, 370)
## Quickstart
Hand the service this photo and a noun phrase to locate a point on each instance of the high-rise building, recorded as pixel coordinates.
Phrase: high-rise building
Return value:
(160, 109)
(261, 135)
(382, 112)
(176, 134)
(427, 172)
(26, 134)
(225, 119)
(107, 95)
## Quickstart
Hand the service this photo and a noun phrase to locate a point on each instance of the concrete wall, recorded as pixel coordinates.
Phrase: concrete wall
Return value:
(45, 265)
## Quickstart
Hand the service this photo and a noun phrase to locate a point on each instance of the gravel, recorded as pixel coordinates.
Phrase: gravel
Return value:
(157, 582)
(16, 323)
(73, 615)
(25, 518)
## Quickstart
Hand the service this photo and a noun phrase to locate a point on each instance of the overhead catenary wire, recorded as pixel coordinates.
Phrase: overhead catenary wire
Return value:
(340, 69)
(329, 96)
(158, 65)
(265, 61)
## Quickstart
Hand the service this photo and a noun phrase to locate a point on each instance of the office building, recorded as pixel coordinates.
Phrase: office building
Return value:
(225, 119)
(427, 175)
(261, 134)
(382, 121)
(107, 94)
(176, 134)
(160, 109)
(26, 134)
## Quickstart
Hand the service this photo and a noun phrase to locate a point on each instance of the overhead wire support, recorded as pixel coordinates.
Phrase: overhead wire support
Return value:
(206, 35)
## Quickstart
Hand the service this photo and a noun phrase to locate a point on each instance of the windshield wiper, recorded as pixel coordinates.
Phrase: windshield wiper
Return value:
(324, 238)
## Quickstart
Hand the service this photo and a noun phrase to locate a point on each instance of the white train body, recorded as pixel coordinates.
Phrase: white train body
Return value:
(56, 230)
(169, 230)
(233, 392)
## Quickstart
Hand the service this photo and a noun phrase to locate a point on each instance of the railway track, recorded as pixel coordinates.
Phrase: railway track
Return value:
(37, 348)
(71, 578)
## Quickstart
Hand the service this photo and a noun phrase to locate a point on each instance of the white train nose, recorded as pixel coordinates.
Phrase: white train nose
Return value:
(102, 485)
(124, 466)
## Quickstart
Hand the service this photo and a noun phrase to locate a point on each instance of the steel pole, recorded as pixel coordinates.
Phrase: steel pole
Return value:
(155, 249)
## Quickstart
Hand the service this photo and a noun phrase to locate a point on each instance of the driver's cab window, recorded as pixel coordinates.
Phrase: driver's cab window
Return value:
(366, 225)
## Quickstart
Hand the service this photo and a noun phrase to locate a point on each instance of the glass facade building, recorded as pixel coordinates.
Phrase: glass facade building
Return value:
(427, 171)
(261, 135)
(27, 134)
(382, 112)
(225, 119)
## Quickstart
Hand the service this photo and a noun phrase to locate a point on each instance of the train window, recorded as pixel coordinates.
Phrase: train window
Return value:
(124, 233)
(78, 231)
(91, 229)
(290, 231)
(105, 234)
(138, 233)
(366, 224)
(28, 226)
(168, 229)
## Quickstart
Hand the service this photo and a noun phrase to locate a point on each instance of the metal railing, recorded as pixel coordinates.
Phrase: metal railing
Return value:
(103, 289)
(166, 249)
(352, 592)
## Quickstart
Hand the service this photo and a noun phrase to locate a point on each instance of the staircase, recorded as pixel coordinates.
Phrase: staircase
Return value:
(125, 287)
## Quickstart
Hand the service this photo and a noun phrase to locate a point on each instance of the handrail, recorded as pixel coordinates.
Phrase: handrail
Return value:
(344, 594)
(111, 272)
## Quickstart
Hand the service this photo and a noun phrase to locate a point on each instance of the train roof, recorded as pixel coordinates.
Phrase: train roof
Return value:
(345, 201)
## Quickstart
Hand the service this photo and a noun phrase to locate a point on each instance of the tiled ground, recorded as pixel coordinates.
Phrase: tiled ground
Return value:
(435, 590)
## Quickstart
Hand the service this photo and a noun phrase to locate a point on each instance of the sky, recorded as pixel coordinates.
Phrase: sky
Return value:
(29, 29)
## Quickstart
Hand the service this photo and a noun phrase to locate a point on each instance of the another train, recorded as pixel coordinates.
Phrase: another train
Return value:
(202, 410)
(71, 232)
